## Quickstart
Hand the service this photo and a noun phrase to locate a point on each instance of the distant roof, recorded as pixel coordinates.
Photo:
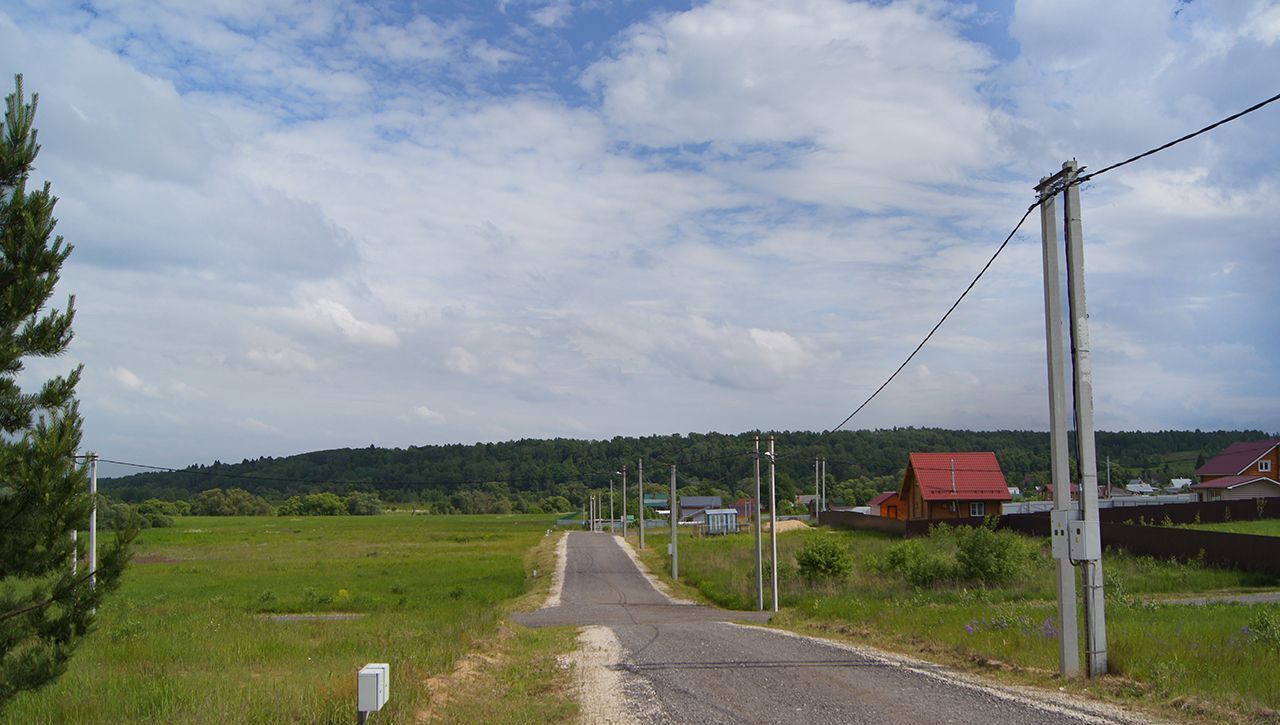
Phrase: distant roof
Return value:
(721, 511)
(975, 476)
(881, 498)
(1233, 481)
(1179, 482)
(1140, 487)
(696, 501)
(1237, 457)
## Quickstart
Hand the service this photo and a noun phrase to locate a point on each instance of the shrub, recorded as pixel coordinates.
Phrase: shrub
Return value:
(987, 556)
(823, 557)
(363, 504)
(913, 561)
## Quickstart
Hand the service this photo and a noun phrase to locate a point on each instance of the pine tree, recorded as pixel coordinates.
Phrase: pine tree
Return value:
(45, 609)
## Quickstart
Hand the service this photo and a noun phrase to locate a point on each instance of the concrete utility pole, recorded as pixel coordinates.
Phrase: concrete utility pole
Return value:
(759, 553)
(1095, 617)
(623, 472)
(675, 513)
(773, 523)
(612, 521)
(93, 523)
(817, 489)
(641, 487)
(1060, 465)
(824, 484)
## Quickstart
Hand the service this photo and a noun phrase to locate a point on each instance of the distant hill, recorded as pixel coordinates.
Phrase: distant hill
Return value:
(527, 471)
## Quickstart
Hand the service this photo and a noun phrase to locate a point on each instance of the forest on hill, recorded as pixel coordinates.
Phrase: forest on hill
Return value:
(556, 474)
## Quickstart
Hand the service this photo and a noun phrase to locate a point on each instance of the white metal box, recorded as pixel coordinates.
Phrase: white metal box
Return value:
(373, 686)
(1086, 541)
(1059, 521)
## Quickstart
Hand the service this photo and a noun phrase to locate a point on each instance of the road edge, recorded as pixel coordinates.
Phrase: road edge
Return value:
(1060, 702)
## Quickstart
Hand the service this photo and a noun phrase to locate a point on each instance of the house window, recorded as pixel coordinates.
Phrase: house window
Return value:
(1264, 466)
(978, 508)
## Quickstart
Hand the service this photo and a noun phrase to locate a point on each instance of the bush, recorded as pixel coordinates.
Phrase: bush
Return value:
(318, 504)
(916, 563)
(232, 502)
(987, 556)
(823, 557)
(363, 504)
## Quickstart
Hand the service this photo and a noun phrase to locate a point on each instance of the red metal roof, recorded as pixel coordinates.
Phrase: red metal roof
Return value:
(1233, 481)
(881, 498)
(1237, 457)
(977, 476)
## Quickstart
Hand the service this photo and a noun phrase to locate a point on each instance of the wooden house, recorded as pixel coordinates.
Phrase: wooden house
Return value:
(887, 505)
(953, 486)
(1243, 470)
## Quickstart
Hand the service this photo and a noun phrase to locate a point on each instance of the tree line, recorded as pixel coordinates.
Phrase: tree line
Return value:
(556, 475)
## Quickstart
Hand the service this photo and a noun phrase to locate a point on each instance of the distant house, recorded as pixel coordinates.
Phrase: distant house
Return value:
(746, 508)
(1244, 470)
(887, 505)
(691, 506)
(1138, 487)
(809, 501)
(719, 521)
(1179, 484)
(948, 486)
(1015, 491)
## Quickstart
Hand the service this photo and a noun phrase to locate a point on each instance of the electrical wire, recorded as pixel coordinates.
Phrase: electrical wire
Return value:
(945, 315)
(1086, 177)
(689, 462)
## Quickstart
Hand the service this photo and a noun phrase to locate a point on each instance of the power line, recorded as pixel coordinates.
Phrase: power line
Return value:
(945, 315)
(1176, 141)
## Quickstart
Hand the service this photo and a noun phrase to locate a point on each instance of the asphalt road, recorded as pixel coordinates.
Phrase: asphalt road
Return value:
(688, 663)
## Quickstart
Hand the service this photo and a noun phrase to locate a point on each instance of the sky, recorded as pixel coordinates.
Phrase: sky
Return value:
(309, 225)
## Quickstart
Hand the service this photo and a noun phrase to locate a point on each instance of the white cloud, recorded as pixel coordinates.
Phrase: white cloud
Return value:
(461, 361)
(428, 414)
(128, 380)
(355, 330)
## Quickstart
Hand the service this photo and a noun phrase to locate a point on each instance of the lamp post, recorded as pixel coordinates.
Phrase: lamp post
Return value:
(623, 473)
(612, 521)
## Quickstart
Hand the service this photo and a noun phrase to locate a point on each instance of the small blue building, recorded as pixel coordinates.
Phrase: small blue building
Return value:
(720, 521)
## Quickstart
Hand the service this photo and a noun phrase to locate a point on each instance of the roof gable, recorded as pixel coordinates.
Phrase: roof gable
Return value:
(959, 476)
(1233, 481)
(881, 498)
(1236, 457)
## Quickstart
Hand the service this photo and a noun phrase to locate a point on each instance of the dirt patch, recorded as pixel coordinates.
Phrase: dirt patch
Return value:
(156, 559)
(789, 525)
(467, 671)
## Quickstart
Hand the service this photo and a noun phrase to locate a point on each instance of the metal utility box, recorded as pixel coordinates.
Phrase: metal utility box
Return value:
(1059, 522)
(372, 686)
(1086, 541)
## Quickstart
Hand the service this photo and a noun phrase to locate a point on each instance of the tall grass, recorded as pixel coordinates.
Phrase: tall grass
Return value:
(1168, 652)
(189, 638)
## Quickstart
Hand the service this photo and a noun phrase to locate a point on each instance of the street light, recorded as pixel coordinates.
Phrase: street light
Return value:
(623, 473)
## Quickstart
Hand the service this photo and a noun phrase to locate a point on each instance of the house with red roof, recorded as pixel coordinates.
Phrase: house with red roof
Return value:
(1244, 470)
(953, 486)
(887, 505)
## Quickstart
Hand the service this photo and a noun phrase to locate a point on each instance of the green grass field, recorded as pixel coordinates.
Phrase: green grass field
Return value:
(1219, 660)
(1261, 527)
(188, 637)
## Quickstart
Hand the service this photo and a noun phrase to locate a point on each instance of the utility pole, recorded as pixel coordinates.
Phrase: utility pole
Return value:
(1095, 617)
(1108, 476)
(612, 521)
(624, 501)
(641, 487)
(675, 513)
(773, 524)
(817, 490)
(759, 553)
(93, 523)
(824, 484)
(1060, 465)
